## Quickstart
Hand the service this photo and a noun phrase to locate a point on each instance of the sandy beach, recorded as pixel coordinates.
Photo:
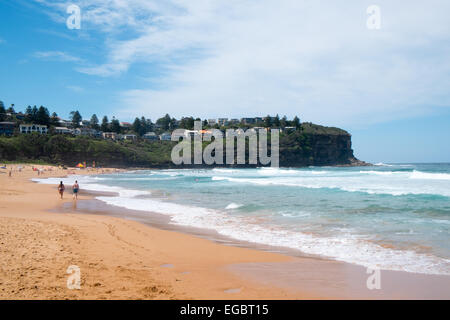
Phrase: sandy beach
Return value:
(119, 259)
(125, 259)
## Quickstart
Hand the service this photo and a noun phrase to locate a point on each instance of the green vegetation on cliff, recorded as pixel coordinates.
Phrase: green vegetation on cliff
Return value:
(311, 145)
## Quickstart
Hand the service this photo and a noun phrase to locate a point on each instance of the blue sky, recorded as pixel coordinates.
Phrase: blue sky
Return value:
(235, 58)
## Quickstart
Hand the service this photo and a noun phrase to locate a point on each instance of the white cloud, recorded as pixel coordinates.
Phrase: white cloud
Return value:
(57, 55)
(312, 58)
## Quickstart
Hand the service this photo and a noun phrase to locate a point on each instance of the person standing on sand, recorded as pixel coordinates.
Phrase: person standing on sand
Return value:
(75, 189)
(61, 189)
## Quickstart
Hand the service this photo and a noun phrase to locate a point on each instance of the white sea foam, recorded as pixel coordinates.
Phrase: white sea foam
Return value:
(233, 206)
(347, 248)
(429, 176)
(396, 183)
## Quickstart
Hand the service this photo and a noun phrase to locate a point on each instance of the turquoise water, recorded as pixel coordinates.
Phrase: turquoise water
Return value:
(391, 216)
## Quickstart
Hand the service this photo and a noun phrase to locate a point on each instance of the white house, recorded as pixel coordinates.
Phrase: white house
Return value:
(63, 130)
(129, 137)
(166, 136)
(110, 135)
(29, 128)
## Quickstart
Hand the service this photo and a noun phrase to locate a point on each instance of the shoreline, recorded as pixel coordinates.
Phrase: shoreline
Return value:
(338, 279)
(245, 272)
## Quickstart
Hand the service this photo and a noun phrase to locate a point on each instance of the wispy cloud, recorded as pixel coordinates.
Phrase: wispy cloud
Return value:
(239, 57)
(57, 56)
(74, 88)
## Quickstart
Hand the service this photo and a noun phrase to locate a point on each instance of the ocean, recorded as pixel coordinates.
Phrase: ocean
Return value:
(390, 216)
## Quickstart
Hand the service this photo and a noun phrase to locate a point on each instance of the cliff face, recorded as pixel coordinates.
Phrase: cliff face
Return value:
(317, 146)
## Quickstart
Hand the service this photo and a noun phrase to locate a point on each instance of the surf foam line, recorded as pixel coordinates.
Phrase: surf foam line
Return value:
(348, 248)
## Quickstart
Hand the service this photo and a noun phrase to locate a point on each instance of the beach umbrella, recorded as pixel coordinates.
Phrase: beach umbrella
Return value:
(80, 165)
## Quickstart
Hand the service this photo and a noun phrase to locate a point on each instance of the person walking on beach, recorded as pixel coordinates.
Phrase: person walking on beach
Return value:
(61, 189)
(75, 189)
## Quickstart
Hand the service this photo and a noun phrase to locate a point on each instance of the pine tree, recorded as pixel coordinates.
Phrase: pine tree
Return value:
(94, 122)
(76, 118)
(105, 124)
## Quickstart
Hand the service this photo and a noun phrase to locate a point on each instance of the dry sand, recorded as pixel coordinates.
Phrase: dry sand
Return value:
(119, 259)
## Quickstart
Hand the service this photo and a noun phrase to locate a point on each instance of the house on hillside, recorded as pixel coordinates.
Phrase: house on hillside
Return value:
(131, 137)
(85, 132)
(7, 128)
(222, 121)
(150, 136)
(110, 135)
(166, 136)
(248, 120)
(30, 128)
(191, 133)
(63, 130)
(126, 125)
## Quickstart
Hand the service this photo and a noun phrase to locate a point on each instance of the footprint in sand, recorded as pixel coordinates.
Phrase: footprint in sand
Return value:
(235, 290)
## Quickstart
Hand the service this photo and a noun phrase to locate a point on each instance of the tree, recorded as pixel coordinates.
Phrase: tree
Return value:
(187, 123)
(34, 112)
(164, 122)
(94, 122)
(43, 116)
(105, 124)
(137, 126)
(276, 121)
(28, 114)
(267, 122)
(76, 118)
(54, 120)
(296, 122)
(2, 112)
(115, 125)
(283, 122)
(11, 109)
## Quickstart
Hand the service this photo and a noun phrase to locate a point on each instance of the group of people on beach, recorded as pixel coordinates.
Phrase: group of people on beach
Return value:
(75, 189)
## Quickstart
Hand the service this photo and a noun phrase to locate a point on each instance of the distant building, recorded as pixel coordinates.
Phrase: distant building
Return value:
(63, 130)
(191, 133)
(248, 120)
(129, 137)
(258, 119)
(65, 123)
(19, 116)
(232, 133)
(233, 121)
(289, 129)
(150, 136)
(110, 135)
(126, 125)
(211, 122)
(85, 132)
(29, 128)
(222, 121)
(7, 128)
(166, 136)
